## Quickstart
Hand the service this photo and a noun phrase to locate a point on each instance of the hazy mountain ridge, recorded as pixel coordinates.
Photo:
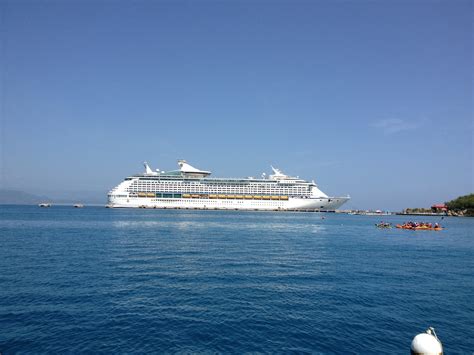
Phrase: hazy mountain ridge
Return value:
(16, 197)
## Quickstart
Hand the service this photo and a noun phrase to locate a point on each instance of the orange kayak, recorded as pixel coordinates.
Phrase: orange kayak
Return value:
(421, 228)
(403, 227)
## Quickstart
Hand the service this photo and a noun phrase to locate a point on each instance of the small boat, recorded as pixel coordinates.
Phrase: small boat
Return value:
(44, 204)
(419, 228)
(383, 225)
(423, 228)
(404, 226)
(78, 205)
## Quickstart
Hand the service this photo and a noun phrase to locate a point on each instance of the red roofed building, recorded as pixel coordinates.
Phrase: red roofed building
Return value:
(441, 207)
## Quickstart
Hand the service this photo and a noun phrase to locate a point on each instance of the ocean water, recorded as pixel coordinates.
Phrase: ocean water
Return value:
(99, 280)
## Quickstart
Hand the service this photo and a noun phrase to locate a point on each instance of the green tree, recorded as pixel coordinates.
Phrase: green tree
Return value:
(462, 203)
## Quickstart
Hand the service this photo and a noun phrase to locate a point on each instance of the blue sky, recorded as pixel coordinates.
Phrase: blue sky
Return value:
(369, 98)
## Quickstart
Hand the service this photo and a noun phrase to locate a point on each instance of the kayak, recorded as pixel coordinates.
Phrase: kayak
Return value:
(428, 229)
(403, 227)
(421, 228)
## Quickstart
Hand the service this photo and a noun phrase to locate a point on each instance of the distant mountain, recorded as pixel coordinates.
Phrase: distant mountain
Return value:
(20, 198)
(17, 197)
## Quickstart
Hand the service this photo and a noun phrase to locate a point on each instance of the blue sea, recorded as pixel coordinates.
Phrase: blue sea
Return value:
(97, 280)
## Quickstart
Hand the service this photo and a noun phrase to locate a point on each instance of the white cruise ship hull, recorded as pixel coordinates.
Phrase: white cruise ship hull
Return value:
(191, 188)
(292, 204)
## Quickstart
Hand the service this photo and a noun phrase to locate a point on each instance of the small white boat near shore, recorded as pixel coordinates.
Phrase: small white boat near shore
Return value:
(78, 205)
(44, 204)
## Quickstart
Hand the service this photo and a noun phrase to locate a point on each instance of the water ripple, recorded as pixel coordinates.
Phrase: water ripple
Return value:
(128, 281)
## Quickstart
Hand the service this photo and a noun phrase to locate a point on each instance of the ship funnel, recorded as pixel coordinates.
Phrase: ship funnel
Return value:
(147, 168)
(186, 168)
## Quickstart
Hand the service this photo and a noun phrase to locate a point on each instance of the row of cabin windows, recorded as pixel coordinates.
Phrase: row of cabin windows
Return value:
(221, 202)
(221, 188)
(260, 187)
(202, 189)
(243, 191)
(146, 183)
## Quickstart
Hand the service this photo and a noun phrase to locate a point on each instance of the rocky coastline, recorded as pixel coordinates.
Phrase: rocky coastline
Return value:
(449, 213)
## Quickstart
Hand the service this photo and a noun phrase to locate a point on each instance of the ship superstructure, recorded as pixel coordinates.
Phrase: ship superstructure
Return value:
(189, 187)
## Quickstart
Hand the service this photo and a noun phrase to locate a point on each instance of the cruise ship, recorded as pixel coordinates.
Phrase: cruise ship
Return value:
(191, 188)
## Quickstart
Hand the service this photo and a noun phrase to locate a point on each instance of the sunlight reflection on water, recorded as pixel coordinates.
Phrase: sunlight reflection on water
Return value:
(206, 225)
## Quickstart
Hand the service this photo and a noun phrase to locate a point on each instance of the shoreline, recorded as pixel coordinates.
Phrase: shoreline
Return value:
(423, 214)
